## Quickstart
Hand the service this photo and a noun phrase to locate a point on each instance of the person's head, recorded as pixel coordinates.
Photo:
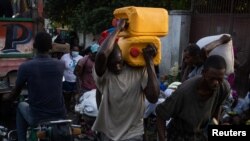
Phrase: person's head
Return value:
(74, 51)
(115, 60)
(214, 70)
(86, 51)
(42, 42)
(191, 54)
(93, 50)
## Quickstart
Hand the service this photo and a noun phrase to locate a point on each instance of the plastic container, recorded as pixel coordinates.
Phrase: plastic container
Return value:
(143, 21)
(132, 49)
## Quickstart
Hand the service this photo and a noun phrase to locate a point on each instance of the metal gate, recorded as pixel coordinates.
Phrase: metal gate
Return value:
(211, 17)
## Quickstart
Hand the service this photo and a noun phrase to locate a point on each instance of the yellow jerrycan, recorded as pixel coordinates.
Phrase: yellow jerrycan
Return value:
(143, 21)
(131, 48)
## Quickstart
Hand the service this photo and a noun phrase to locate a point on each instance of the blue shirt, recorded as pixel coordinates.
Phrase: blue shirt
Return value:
(43, 76)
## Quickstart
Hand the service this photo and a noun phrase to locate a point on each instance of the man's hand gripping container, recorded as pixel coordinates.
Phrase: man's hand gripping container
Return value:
(143, 21)
(132, 49)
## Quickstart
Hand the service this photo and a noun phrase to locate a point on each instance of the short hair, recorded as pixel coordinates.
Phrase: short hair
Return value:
(215, 61)
(193, 49)
(43, 42)
(71, 47)
(86, 50)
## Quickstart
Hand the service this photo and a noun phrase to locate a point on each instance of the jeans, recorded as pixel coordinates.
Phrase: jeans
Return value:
(23, 120)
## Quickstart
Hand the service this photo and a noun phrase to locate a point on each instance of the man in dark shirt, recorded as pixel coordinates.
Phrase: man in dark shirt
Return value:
(43, 77)
(194, 103)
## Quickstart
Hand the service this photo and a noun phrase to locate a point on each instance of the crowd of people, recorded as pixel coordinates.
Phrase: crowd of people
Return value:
(200, 98)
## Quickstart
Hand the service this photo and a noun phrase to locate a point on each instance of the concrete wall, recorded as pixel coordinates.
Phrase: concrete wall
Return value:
(176, 40)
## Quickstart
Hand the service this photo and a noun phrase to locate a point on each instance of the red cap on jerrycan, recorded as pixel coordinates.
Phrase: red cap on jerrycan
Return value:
(132, 49)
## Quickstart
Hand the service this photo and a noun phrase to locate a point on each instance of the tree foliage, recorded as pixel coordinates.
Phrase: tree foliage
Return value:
(59, 10)
(96, 15)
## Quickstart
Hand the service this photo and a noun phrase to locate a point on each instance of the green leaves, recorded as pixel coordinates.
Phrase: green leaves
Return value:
(95, 16)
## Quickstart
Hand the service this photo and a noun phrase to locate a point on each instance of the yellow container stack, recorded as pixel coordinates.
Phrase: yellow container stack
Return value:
(145, 26)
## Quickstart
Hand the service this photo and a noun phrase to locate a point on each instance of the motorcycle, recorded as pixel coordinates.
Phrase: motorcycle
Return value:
(55, 130)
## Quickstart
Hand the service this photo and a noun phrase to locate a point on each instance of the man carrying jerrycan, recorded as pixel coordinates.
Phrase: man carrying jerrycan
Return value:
(124, 74)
